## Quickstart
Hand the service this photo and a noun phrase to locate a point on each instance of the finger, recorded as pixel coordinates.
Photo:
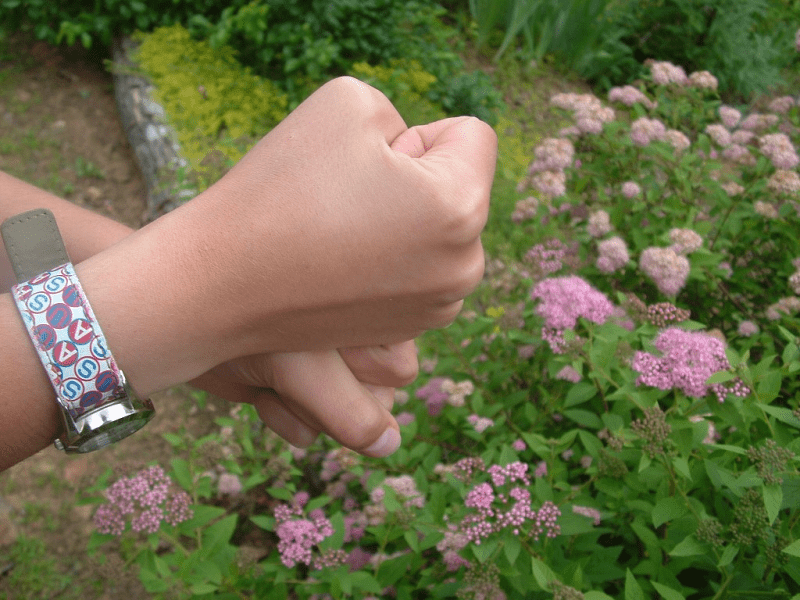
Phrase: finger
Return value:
(321, 389)
(393, 365)
(468, 138)
(384, 395)
(282, 420)
(271, 409)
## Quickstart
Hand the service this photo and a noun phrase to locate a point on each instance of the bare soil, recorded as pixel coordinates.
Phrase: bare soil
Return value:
(60, 130)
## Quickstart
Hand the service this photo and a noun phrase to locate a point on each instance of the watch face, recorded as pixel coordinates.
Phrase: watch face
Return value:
(107, 424)
(112, 433)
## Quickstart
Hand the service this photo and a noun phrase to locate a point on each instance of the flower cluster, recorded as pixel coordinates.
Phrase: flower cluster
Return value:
(563, 300)
(599, 224)
(587, 511)
(588, 112)
(654, 430)
(502, 505)
(546, 258)
(441, 391)
(644, 131)
(668, 269)
(149, 497)
(662, 314)
(665, 73)
(770, 461)
(779, 149)
(297, 536)
(612, 255)
(687, 360)
(629, 95)
(784, 182)
(685, 241)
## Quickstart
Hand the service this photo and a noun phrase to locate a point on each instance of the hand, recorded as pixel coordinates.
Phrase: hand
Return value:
(341, 228)
(348, 227)
(347, 394)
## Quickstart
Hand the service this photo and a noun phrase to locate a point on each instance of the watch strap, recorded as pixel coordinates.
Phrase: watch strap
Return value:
(33, 243)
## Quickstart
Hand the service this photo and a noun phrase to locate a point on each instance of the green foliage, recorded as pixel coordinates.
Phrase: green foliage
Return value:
(95, 23)
(33, 573)
(196, 83)
(661, 491)
(300, 44)
(746, 43)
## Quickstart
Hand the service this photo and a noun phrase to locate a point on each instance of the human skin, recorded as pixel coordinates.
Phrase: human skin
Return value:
(341, 229)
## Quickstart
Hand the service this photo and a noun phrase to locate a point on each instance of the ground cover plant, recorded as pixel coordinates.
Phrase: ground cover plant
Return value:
(615, 415)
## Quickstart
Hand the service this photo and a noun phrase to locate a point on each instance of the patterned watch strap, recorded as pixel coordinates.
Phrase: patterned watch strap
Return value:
(69, 341)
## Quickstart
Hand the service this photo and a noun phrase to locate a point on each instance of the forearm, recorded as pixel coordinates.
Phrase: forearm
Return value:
(85, 233)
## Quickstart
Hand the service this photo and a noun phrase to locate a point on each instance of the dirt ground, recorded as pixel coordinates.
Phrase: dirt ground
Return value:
(60, 130)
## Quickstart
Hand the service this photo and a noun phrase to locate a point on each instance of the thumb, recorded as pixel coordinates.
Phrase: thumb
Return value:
(322, 391)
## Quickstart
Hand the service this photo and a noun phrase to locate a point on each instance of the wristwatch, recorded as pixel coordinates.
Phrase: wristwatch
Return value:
(97, 403)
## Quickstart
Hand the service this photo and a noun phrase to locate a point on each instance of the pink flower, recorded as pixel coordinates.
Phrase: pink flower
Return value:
(563, 300)
(730, 116)
(664, 73)
(629, 95)
(644, 131)
(782, 105)
(677, 140)
(784, 182)
(779, 149)
(519, 445)
(599, 224)
(687, 359)
(613, 254)
(720, 135)
(587, 511)
(405, 418)
(550, 183)
(298, 536)
(547, 257)
(631, 189)
(229, 484)
(553, 154)
(541, 470)
(747, 329)
(480, 424)
(685, 241)
(703, 80)
(666, 268)
(148, 498)
(568, 373)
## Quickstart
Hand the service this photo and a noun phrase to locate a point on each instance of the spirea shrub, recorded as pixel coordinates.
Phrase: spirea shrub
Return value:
(614, 414)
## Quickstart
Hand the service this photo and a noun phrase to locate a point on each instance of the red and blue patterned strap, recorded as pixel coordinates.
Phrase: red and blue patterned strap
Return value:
(69, 340)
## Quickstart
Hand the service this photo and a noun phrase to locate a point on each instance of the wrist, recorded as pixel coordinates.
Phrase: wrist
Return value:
(156, 306)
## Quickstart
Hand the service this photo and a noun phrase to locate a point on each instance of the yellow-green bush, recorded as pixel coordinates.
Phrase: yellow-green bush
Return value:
(213, 102)
(405, 83)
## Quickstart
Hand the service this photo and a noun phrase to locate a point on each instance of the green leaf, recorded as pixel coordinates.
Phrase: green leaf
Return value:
(266, 523)
(594, 595)
(668, 509)
(584, 417)
(633, 591)
(728, 555)
(782, 414)
(511, 548)
(667, 593)
(182, 473)
(770, 386)
(720, 377)
(542, 573)
(280, 493)
(793, 549)
(484, 551)
(682, 467)
(773, 498)
(361, 580)
(579, 393)
(688, 546)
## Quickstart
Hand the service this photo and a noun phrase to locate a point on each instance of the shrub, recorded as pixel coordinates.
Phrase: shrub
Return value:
(619, 428)
(195, 84)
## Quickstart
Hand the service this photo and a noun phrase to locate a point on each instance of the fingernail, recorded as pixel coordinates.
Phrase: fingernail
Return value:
(386, 444)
